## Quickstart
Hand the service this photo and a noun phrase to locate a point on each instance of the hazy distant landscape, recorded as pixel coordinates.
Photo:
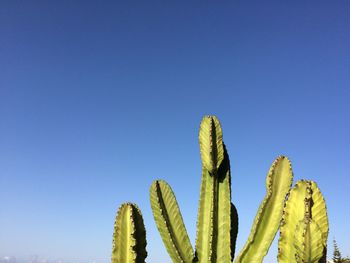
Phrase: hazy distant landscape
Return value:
(35, 259)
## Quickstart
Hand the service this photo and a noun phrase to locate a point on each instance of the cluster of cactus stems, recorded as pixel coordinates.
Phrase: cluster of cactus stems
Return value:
(300, 214)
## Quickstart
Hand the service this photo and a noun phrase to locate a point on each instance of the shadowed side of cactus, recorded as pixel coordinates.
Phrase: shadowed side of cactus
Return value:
(129, 238)
(170, 224)
(267, 220)
(304, 228)
(234, 230)
(217, 224)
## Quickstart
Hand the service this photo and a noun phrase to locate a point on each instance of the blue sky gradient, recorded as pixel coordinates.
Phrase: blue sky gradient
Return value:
(97, 100)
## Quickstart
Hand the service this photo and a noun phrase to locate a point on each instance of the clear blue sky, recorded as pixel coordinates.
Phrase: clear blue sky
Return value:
(98, 99)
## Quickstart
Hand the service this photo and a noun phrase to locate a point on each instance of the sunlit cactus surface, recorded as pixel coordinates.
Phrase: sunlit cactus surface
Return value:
(300, 214)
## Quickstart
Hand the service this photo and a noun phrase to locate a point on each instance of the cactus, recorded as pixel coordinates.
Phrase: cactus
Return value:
(129, 238)
(304, 228)
(300, 215)
(278, 182)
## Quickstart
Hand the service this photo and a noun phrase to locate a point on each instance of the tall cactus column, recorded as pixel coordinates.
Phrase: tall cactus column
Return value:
(213, 242)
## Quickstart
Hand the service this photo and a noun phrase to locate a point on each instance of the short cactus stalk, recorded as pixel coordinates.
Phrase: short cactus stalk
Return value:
(129, 238)
(304, 228)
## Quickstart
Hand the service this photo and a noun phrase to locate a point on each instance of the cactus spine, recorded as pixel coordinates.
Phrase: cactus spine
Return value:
(129, 238)
(304, 228)
(267, 220)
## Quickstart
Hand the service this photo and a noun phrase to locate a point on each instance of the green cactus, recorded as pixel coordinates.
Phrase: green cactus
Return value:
(302, 219)
(217, 224)
(129, 238)
(304, 228)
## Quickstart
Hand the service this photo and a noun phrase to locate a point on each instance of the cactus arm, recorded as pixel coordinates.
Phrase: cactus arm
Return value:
(267, 220)
(169, 221)
(214, 214)
(129, 238)
(305, 201)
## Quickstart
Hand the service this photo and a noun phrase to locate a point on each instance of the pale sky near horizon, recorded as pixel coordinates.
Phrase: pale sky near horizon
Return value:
(100, 98)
